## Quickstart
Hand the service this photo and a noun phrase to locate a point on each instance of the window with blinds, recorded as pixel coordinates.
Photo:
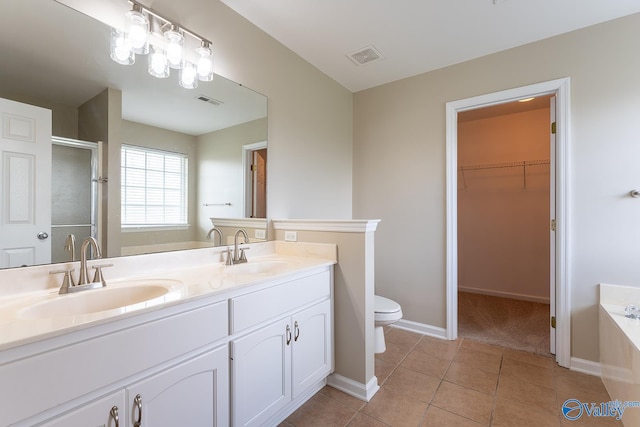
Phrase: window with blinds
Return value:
(154, 187)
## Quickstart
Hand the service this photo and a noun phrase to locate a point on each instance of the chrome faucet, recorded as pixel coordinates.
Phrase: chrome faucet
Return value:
(68, 284)
(219, 235)
(239, 257)
(84, 276)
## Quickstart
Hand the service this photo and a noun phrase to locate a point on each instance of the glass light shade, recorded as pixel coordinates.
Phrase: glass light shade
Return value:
(205, 63)
(121, 50)
(137, 27)
(175, 43)
(188, 76)
(158, 63)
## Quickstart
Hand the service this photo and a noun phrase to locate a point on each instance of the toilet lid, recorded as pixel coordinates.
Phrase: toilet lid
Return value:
(385, 305)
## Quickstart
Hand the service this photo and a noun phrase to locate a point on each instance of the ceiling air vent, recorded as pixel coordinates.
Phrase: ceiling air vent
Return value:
(365, 56)
(209, 100)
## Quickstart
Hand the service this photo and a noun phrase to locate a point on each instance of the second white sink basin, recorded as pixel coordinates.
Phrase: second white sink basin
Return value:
(257, 267)
(128, 296)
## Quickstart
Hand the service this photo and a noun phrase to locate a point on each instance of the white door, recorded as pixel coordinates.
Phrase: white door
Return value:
(261, 373)
(552, 228)
(312, 346)
(25, 181)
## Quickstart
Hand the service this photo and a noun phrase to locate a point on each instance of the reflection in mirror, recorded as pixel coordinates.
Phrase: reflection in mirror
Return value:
(97, 107)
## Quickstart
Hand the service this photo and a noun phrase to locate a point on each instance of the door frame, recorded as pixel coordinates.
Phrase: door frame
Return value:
(247, 176)
(560, 88)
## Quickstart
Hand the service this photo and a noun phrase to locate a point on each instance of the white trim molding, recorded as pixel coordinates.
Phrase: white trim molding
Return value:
(353, 388)
(560, 88)
(586, 366)
(501, 294)
(335, 225)
(421, 328)
(239, 222)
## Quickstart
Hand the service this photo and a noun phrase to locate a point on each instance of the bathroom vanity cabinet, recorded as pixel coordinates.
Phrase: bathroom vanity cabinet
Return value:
(167, 368)
(275, 363)
(245, 356)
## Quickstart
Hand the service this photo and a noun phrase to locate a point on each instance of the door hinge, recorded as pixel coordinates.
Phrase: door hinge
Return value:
(553, 128)
(553, 225)
(253, 168)
(553, 322)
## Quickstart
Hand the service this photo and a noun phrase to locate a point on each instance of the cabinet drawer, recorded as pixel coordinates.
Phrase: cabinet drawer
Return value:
(256, 307)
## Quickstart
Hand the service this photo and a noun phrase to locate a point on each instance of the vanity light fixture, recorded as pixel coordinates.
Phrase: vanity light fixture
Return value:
(204, 66)
(188, 76)
(168, 45)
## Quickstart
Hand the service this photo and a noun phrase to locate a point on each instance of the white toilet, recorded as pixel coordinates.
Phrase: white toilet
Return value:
(386, 312)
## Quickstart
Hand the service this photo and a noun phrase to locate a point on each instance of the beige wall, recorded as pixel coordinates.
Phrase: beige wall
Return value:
(310, 115)
(399, 167)
(220, 171)
(503, 213)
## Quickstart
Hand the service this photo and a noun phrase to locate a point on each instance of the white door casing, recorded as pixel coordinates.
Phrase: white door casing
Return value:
(552, 228)
(560, 88)
(25, 182)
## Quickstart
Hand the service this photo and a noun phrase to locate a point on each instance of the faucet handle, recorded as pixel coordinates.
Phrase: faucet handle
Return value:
(97, 277)
(67, 281)
(243, 256)
(229, 257)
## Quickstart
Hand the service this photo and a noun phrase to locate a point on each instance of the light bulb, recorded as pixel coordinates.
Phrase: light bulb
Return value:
(188, 76)
(121, 51)
(158, 64)
(175, 41)
(137, 26)
(205, 62)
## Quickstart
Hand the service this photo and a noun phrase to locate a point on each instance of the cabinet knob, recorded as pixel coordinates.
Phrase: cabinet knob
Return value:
(114, 415)
(137, 401)
(296, 331)
(288, 335)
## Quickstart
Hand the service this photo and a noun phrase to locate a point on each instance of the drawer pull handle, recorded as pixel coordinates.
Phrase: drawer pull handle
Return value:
(296, 331)
(114, 415)
(288, 335)
(138, 402)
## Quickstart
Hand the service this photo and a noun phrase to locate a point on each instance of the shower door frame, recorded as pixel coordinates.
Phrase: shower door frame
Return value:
(94, 148)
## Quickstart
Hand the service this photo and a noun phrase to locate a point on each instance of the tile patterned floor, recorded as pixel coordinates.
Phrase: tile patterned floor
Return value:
(429, 382)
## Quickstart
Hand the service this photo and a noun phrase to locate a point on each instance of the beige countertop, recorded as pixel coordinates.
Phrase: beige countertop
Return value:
(22, 321)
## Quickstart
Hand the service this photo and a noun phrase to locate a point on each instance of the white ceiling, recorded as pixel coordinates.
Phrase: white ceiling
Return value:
(416, 36)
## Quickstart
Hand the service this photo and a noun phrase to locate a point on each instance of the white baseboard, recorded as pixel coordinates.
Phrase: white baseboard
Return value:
(501, 294)
(358, 390)
(421, 328)
(586, 367)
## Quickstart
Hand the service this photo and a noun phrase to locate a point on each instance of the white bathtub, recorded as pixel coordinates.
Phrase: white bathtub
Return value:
(620, 347)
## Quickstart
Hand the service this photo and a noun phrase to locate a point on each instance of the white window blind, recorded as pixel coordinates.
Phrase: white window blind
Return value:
(154, 187)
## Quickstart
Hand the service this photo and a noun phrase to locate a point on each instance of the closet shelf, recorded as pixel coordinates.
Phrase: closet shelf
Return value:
(521, 164)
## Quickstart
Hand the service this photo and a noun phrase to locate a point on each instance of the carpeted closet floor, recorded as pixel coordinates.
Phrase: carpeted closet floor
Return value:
(510, 323)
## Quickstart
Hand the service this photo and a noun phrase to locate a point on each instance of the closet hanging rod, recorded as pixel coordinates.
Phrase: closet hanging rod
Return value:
(504, 165)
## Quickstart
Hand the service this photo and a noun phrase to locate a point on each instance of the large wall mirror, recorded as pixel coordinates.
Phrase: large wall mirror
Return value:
(111, 126)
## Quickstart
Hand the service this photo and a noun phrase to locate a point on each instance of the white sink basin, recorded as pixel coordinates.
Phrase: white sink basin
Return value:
(257, 267)
(126, 297)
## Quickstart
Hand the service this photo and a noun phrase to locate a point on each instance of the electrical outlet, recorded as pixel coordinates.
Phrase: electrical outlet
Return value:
(260, 234)
(290, 236)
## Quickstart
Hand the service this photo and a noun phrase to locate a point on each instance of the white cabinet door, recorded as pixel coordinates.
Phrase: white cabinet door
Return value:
(261, 373)
(312, 346)
(99, 413)
(194, 393)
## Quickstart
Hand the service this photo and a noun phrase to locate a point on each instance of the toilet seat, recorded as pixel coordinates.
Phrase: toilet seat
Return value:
(386, 310)
(385, 305)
